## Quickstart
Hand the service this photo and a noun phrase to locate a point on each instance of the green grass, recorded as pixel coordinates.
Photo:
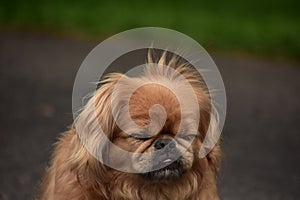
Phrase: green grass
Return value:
(258, 26)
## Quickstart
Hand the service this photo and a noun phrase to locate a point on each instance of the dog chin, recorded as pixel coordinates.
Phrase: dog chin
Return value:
(169, 172)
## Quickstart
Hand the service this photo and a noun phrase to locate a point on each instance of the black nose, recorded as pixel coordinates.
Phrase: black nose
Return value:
(169, 143)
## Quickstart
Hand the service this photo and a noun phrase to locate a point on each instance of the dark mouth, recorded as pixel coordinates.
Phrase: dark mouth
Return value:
(173, 171)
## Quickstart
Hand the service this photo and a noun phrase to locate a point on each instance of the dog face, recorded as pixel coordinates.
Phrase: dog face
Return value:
(164, 150)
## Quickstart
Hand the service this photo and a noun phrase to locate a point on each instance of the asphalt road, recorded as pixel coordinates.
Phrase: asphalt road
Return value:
(261, 137)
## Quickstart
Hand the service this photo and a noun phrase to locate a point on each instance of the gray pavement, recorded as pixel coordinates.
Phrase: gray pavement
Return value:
(261, 137)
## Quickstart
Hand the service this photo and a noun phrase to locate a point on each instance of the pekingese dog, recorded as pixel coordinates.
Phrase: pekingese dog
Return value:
(148, 145)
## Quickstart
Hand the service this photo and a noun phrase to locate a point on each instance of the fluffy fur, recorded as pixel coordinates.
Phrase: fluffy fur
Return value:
(75, 174)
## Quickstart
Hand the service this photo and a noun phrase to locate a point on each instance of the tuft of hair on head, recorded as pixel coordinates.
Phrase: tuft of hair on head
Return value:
(172, 66)
(160, 66)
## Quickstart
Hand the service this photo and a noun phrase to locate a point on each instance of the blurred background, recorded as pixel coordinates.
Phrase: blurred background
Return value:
(255, 44)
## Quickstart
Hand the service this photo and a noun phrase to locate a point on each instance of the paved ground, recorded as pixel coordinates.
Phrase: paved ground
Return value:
(261, 135)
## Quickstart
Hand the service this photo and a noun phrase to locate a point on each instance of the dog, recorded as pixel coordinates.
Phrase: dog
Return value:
(164, 161)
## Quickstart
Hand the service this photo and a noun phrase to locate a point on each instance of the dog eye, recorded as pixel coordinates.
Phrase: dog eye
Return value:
(188, 137)
(139, 136)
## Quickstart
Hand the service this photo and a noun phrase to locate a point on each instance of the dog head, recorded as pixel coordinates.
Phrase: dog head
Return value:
(161, 123)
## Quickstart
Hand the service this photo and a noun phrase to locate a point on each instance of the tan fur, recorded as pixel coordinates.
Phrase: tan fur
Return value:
(75, 174)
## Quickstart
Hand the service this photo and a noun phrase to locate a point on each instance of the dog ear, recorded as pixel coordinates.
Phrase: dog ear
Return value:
(95, 124)
(211, 142)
